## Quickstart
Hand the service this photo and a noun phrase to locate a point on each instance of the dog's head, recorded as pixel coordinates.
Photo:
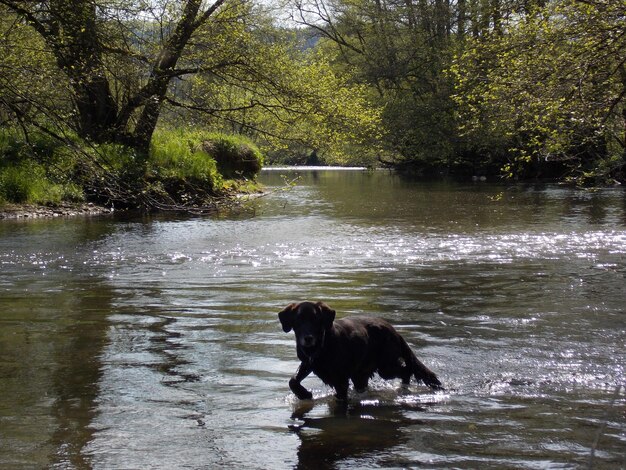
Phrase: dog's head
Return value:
(310, 322)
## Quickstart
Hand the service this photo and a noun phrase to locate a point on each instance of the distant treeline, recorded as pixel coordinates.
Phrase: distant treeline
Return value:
(524, 89)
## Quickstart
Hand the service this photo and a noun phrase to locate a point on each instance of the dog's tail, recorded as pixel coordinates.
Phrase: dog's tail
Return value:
(419, 370)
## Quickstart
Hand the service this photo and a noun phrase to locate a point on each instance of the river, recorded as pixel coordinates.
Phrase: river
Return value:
(153, 342)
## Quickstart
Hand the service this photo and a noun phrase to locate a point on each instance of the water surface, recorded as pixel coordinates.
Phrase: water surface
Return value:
(153, 342)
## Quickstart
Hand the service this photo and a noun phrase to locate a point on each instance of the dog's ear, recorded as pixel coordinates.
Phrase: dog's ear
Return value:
(328, 314)
(286, 317)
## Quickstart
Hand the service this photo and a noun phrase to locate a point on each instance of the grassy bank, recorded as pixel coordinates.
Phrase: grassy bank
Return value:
(183, 168)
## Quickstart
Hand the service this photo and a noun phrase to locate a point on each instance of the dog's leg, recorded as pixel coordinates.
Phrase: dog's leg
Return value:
(294, 383)
(341, 389)
(405, 373)
(360, 383)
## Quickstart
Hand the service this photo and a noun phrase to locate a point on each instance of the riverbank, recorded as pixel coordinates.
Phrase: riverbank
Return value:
(191, 168)
(33, 211)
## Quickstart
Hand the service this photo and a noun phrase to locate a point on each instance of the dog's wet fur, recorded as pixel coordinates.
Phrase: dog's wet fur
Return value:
(349, 349)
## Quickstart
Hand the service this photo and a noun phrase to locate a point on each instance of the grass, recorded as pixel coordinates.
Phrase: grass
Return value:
(202, 154)
(178, 156)
(184, 167)
(190, 162)
(30, 171)
(237, 157)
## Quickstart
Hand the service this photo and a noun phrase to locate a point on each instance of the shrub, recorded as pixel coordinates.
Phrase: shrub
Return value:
(236, 156)
(181, 168)
(118, 159)
(28, 183)
(203, 156)
(15, 184)
(31, 170)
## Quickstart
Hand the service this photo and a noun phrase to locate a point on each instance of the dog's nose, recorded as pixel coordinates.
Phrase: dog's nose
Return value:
(308, 340)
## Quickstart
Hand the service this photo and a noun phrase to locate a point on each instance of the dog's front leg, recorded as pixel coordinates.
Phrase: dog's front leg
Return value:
(295, 385)
(341, 389)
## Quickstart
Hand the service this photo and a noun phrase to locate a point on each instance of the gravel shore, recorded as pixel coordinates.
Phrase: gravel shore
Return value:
(27, 211)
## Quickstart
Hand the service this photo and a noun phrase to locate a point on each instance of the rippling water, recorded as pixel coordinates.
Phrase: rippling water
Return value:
(134, 343)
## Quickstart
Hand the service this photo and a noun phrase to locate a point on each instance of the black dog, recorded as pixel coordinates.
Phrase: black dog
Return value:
(352, 348)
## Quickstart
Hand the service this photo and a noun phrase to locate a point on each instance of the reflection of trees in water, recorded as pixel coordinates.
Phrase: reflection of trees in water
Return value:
(350, 431)
(166, 344)
(75, 383)
(54, 329)
(50, 369)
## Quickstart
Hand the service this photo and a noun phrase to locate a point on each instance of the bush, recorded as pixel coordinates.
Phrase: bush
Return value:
(15, 148)
(107, 171)
(179, 167)
(236, 156)
(15, 184)
(30, 173)
(203, 156)
(183, 168)
(28, 183)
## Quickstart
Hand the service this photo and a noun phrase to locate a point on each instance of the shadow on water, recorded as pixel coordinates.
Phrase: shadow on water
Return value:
(360, 431)
(52, 334)
(75, 380)
(168, 345)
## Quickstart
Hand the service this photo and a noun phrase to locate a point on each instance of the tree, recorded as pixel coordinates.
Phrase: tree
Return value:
(27, 75)
(100, 75)
(123, 64)
(550, 91)
(400, 50)
(290, 102)
(89, 40)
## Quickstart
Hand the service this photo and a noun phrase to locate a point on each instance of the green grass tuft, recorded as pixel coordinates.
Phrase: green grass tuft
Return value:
(183, 167)
(29, 171)
(176, 157)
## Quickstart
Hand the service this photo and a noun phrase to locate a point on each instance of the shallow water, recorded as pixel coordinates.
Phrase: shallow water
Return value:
(135, 343)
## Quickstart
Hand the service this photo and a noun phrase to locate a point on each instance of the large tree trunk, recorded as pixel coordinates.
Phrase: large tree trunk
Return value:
(74, 40)
(164, 67)
(97, 110)
(162, 73)
(70, 28)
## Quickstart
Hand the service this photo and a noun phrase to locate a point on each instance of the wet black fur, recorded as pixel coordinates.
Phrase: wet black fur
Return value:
(349, 349)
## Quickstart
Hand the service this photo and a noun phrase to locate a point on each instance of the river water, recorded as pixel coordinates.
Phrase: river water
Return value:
(153, 342)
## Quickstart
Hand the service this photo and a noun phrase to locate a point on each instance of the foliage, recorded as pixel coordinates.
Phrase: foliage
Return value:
(116, 59)
(236, 156)
(534, 88)
(550, 92)
(101, 76)
(119, 67)
(285, 99)
(179, 172)
(31, 86)
(31, 171)
(397, 51)
(177, 157)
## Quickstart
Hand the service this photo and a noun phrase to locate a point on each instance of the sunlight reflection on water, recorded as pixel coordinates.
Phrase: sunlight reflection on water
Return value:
(154, 343)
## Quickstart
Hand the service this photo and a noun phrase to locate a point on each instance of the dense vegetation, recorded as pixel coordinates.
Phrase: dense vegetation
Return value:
(182, 170)
(533, 88)
(114, 101)
(101, 77)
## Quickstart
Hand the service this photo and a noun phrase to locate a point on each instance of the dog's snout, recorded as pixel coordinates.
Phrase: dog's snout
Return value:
(308, 340)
